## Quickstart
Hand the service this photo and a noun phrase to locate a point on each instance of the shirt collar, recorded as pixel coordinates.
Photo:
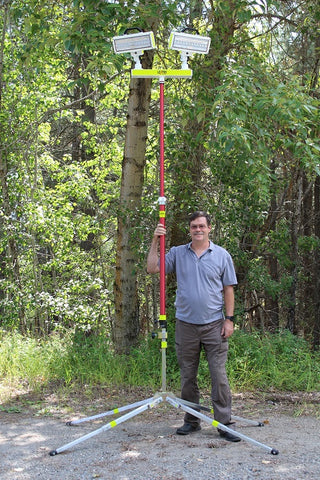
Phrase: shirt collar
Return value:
(211, 245)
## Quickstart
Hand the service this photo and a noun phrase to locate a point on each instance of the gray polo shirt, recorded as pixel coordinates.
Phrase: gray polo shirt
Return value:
(200, 282)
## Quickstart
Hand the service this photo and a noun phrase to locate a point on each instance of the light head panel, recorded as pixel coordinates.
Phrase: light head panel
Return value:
(135, 44)
(189, 43)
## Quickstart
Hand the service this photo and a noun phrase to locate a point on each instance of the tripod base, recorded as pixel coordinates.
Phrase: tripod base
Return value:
(142, 406)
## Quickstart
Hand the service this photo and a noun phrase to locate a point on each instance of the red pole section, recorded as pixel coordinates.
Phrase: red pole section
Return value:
(162, 210)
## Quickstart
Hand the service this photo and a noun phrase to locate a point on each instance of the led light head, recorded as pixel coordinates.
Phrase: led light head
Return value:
(187, 44)
(135, 44)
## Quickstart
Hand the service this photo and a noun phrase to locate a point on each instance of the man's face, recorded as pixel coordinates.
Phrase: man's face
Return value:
(199, 229)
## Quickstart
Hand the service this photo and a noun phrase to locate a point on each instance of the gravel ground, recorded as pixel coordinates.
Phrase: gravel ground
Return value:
(146, 446)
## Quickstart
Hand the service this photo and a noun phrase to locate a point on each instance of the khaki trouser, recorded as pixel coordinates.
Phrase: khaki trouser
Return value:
(190, 338)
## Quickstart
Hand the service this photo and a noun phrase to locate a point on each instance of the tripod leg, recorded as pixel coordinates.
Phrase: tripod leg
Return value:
(255, 423)
(248, 421)
(154, 401)
(110, 412)
(178, 404)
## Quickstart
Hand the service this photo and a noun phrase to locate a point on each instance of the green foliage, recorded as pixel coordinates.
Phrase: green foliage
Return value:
(279, 362)
(30, 362)
(238, 138)
(55, 211)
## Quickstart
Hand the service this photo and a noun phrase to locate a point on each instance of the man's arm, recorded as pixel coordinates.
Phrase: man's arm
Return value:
(227, 328)
(153, 257)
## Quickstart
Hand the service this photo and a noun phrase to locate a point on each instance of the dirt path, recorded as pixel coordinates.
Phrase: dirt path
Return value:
(146, 447)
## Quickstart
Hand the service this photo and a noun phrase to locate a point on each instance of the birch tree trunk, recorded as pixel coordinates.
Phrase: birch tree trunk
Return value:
(126, 323)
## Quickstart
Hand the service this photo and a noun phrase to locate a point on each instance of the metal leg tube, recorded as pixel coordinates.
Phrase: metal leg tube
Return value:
(163, 359)
(196, 406)
(179, 404)
(106, 427)
(248, 421)
(111, 412)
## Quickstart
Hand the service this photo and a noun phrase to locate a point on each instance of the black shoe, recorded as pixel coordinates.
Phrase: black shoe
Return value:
(228, 436)
(187, 428)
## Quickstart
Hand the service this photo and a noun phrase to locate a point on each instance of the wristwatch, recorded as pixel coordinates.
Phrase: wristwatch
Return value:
(230, 317)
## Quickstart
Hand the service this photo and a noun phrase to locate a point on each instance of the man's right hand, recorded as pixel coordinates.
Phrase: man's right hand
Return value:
(160, 230)
(153, 259)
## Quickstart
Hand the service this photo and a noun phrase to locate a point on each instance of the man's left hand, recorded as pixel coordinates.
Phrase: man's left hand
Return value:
(227, 328)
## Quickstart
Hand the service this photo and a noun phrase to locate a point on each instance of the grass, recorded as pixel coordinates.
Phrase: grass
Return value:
(280, 362)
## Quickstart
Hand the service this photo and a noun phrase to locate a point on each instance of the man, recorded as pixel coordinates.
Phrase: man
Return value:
(205, 280)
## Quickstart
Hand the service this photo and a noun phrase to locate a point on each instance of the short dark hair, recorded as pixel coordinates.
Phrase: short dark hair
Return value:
(198, 214)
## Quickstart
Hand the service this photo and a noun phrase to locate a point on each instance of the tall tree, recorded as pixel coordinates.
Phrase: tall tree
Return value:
(126, 326)
(7, 227)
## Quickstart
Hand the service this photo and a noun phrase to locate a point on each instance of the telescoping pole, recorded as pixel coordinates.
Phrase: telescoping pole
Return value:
(162, 215)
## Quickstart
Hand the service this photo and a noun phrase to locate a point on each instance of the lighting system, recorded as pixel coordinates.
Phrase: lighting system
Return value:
(188, 44)
(135, 44)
